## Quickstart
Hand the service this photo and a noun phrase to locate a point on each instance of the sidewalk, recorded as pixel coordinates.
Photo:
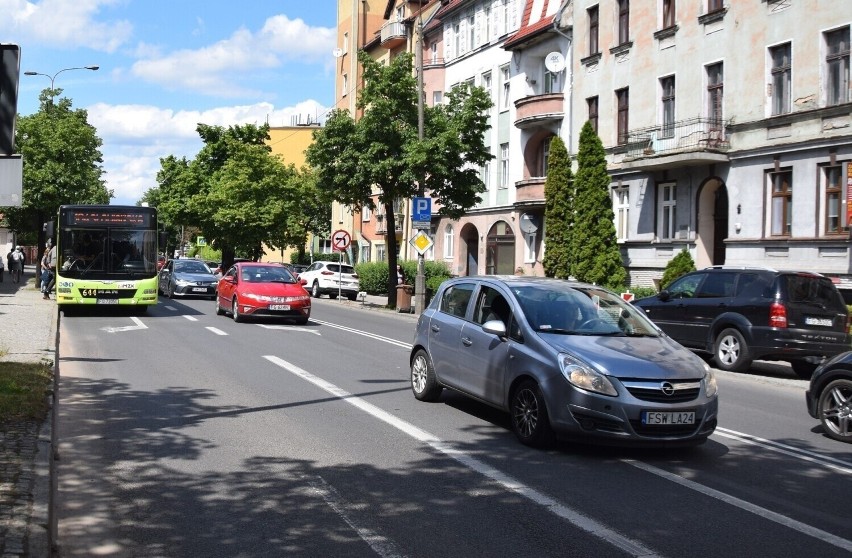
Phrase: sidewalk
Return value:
(27, 334)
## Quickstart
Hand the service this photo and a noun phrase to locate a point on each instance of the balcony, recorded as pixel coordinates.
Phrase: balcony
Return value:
(382, 223)
(393, 34)
(538, 109)
(696, 141)
(530, 191)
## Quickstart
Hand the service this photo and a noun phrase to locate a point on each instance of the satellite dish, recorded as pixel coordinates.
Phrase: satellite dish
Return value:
(554, 62)
(529, 223)
(338, 52)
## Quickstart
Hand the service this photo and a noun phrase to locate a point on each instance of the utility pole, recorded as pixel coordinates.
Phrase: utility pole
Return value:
(420, 279)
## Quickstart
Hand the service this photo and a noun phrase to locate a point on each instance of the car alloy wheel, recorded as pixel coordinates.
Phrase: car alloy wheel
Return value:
(530, 421)
(424, 384)
(219, 310)
(315, 292)
(731, 352)
(835, 409)
(235, 311)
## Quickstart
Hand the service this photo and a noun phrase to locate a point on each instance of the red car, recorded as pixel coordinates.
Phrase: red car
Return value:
(262, 289)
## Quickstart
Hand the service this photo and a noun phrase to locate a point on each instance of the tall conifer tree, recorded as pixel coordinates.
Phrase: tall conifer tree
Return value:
(558, 215)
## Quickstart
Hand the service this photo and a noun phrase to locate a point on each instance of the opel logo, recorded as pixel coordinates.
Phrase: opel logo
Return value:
(667, 388)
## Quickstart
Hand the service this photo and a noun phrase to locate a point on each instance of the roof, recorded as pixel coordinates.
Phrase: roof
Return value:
(535, 21)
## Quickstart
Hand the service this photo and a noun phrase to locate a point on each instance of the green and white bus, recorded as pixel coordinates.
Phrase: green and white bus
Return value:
(106, 254)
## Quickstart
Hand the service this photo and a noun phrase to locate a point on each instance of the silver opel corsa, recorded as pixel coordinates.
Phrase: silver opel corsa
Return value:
(565, 359)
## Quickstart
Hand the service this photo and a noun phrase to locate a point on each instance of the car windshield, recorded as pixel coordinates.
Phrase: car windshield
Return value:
(578, 310)
(264, 274)
(190, 266)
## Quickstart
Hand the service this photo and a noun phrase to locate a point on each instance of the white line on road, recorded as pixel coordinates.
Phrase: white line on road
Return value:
(634, 548)
(290, 328)
(365, 334)
(812, 457)
(172, 308)
(190, 318)
(137, 321)
(379, 543)
(216, 330)
(747, 506)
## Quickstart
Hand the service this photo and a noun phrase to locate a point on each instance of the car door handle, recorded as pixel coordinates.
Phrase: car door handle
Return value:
(466, 341)
(435, 328)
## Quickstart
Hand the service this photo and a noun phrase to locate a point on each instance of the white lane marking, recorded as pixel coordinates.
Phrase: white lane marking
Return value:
(379, 543)
(190, 318)
(172, 308)
(137, 321)
(216, 330)
(365, 334)
(747, 506)
(634, 548)
(291, 328)
(811, 457)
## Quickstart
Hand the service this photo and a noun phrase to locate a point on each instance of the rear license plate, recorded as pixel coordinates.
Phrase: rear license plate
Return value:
(666, 418)
(279, 306)
(199, 290)
(825, 322)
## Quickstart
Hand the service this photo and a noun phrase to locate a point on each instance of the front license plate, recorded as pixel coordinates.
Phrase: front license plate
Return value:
(279, 306)
(826, 322)
(199, 290)
(106, 301)
(666, 418)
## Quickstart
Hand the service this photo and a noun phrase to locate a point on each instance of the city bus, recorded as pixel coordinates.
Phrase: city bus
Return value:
(106, 254)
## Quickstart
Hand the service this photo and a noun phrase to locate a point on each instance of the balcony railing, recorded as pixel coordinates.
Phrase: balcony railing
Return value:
(382, 223)
(392, 34)
(684, 136)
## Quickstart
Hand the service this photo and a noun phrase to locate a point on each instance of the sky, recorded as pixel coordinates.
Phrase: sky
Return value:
(165, 66)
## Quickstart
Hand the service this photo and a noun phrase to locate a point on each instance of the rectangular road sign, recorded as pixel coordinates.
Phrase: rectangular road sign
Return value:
(421, 209)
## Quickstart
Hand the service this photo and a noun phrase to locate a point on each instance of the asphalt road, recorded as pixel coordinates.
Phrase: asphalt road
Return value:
(182, 433)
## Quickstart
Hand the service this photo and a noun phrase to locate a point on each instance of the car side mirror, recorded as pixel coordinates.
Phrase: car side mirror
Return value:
(303, 282)
(664, 295)
(495, 327)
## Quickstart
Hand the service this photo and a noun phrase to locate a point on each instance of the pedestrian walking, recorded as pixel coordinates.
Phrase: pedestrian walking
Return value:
(2, 269)
(48, 270)
(16, 264)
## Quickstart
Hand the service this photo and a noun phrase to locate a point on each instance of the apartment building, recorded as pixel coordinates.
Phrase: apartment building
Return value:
(711, 112)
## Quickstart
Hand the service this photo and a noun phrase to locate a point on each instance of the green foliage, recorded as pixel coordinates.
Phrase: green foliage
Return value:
(638, 292)
(679, 265)
(558, 214)
(382, 152)
(62, 164)
(23, 390)
(595, 256)
(374, 276)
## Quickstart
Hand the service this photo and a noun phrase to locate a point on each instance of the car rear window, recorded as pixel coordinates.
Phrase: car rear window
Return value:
(336, 268)
(812, 290)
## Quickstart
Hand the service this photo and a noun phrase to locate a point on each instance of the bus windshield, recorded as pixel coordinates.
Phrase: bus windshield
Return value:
(108, 253)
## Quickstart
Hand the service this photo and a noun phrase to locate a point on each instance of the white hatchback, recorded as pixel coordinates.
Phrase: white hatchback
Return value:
(331, 278)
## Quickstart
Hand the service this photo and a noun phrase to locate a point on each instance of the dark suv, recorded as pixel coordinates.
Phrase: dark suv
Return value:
(742, 314)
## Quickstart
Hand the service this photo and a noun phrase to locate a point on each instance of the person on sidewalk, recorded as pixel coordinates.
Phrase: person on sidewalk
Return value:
(48, 270)
(2, 269)
(16, 264)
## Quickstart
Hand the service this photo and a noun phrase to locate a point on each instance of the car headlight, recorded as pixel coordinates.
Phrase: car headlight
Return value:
(183, 282)
(583, 376)
(710, 386)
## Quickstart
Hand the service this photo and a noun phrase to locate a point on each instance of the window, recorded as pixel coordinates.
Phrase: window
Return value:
(837, 67)
(381, 253)
(592, 103)
(507, 16)
(667, 85)
(781, 64)
(433, 52)
(551, 81)
(486, 83)
(594, 25)
(457, 37)
(623, 101)
(366, 214)
(455, 299)
(621, 205)
(545, 155)
(449, 239)
(715, 83)
(668, 211)
(437, 98)
(833, 176)
(782, 202)
(504, 165)
(486, 174)
(345, 48)
(344, 85)
(668, 13)
(491, 305)
(471, 32)
(715, 5)
(623, 21)
(504, 78)
(486, 25)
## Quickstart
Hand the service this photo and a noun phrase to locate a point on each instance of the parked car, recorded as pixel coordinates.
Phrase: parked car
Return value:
(262, 289)
(564, 359)
(331, 278)
(187, 277)
(829, 397)
(743, 314)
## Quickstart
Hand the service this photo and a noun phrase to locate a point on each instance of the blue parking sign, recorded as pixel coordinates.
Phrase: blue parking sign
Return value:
(421, 209)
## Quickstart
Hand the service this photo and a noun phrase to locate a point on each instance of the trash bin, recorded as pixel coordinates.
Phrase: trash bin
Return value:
(403, 298)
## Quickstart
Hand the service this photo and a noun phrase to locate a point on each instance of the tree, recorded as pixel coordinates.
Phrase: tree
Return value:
(306, 209)
(679, 265)
(62, 165)
(382, 152)
(558, 212)
(595, 257)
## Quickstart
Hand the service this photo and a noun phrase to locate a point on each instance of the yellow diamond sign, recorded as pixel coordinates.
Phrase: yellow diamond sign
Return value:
(421, 242)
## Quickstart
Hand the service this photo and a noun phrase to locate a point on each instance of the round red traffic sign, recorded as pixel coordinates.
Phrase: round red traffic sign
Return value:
(340, 240)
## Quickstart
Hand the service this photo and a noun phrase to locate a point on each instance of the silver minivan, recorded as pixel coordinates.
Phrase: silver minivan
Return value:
(565, 359)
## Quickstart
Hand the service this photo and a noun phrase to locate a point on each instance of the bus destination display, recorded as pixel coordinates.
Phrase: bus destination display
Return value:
(78, 217)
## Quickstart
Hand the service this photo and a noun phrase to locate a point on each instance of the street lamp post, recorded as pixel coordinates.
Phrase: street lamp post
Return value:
(52, 78)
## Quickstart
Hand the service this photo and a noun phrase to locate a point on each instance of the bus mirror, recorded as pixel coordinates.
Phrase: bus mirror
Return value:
(48, 229)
